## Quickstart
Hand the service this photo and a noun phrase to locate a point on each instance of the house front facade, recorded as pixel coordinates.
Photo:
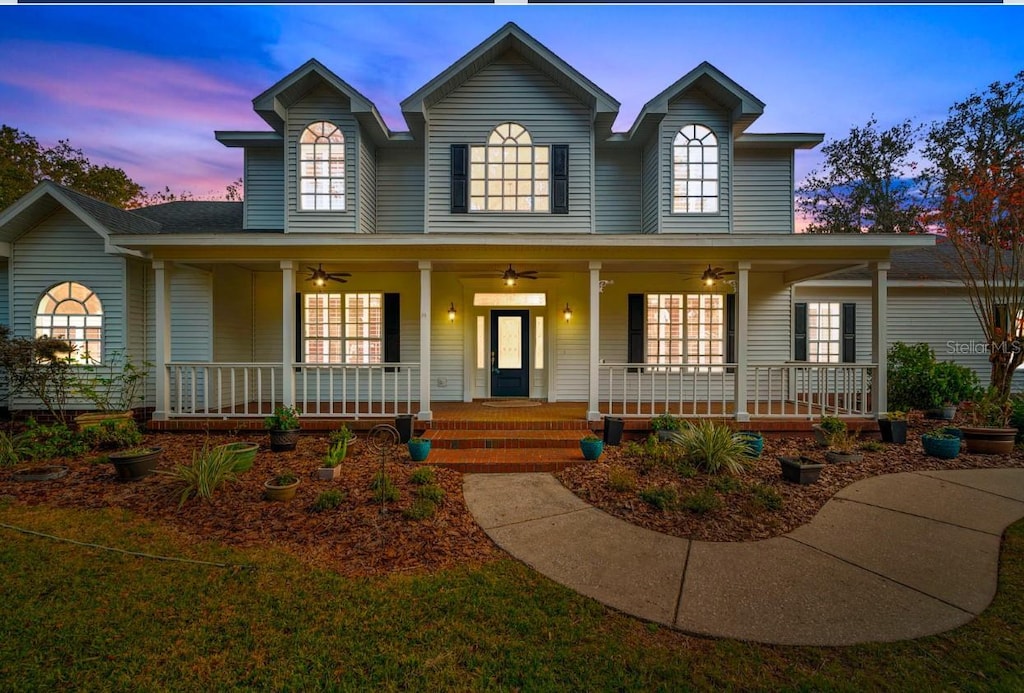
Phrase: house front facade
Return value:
(508, 244)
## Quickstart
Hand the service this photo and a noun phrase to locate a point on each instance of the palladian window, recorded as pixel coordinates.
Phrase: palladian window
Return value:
(509, 173)
(322, 168)
(74, 313)
(695, 171)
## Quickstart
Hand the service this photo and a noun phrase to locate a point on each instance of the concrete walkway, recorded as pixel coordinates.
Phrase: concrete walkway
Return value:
(888, 558)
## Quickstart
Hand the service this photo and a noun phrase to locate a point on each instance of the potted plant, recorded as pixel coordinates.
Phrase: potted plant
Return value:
(112, 387)
(282, 487)
(950, 385)
(591, 446)
(892, 425)
(800, 469)
(337, 449)
(665, 425)
(243, 453)
(284, 428)
(754, 441)
(135, 463)
(990, 432)
(941, 443)
(419, 448)
(826, 427)
(842, 446)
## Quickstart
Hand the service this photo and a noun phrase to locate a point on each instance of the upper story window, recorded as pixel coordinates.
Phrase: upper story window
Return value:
(509, 173)
(73, 312)
(694, 171)
(322, 167)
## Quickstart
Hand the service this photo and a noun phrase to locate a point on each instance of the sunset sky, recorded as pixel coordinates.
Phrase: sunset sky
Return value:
(143, 88)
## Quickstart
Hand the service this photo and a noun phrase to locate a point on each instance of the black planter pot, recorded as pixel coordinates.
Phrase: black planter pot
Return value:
(613, 427)
(135, 466)
(403, 424)
(800, 470)
(283, 441)
(893, 431)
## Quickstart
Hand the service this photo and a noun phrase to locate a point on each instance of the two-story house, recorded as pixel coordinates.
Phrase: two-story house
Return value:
(508, 244)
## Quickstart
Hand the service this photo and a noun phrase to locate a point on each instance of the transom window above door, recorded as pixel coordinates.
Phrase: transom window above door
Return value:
(509, 173)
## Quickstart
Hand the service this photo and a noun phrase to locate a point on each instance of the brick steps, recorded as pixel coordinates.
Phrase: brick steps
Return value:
(511, 425)
(496, 439)
(506, 460)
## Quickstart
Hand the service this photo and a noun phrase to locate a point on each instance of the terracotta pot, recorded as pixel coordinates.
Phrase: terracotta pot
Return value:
(274, 492)
(982, 440)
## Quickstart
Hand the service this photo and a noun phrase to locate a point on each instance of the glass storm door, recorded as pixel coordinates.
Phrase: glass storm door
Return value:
(510, 353)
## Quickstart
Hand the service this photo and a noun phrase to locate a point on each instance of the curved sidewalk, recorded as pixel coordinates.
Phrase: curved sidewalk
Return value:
(888, 558)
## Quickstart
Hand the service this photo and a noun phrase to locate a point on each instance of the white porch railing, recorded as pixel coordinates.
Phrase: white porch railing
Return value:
(811, 389)
(223, 389)
(631, 389)
(356, 390)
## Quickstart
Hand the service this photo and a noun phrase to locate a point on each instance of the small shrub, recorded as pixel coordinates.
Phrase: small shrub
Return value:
(431, 492)
(211, 468)
(621, 479)
(832, 425)
(726, 484)
(666, 422)
(422, 475)
(843, 441)
(700, 503)
(327, 500)
(421, 509)
(285, 478)
(714, 448)
(39, 442)
(766, 497)
(872, 446)
(112, 435)
(384, 488)
(661, 497)
(8, 453)
(283, 419)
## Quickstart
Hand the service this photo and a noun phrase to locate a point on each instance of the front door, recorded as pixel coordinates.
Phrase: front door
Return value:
(510, 353)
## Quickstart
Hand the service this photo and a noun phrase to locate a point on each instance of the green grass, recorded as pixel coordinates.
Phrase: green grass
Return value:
(79, 618)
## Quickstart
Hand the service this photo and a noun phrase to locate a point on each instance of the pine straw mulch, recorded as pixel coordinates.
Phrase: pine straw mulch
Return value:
(354, 539)
(740, 516)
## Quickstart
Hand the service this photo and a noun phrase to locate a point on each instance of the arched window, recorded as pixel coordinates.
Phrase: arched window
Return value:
(509, 173)
(322, 167)
(73, 312)
(694, 170)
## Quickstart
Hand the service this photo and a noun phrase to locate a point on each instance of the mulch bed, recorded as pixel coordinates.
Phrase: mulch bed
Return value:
(354, 539)
(741, 517)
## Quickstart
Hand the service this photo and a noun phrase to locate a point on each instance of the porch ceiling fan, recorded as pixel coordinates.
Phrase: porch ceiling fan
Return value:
(714, 274)
(319, 276)
(511, 276)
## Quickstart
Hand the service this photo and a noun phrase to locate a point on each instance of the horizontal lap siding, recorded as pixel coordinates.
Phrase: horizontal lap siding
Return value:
(320, 104)
(650, 186)
(400, 190)
(686, 110)
(267, 339)
(769, 334)
(617, 191)
(5, 293)
(264, 188)
(367, 186)
(572, 358)
(139, 344)
(191, 314)
(763, 189)
(510, 90)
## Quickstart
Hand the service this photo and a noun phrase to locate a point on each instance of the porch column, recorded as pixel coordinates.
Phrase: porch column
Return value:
(593, 403)
(162, 272)
(424, 414)
(742, 312)
(288, 323)
(879, 335)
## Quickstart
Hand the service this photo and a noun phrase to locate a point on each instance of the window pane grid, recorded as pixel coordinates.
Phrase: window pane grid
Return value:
(343, 328)
(823, 332)
(695, 170)
(72, 312)
(509, 173)
(322, 168)
(685, 329)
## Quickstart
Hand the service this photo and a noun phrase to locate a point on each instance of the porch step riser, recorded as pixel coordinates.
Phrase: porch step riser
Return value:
(456, 425)
(506, 467)
(503, 444)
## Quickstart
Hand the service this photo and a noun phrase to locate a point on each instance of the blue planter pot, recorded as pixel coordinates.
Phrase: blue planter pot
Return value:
(754, 442)
(419, 449)
(591, 449)
(943, 448)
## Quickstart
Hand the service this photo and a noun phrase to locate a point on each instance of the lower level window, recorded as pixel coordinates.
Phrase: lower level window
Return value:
(823, 332)
(343, 328)
(74, 313)
(686, 329)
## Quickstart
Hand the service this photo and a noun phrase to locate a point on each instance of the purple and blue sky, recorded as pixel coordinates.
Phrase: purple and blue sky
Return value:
(143, 88)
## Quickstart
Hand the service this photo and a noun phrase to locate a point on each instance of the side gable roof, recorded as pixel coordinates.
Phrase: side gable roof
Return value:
(931, 263)
(195, 216)
(272, 105)
(511, 37)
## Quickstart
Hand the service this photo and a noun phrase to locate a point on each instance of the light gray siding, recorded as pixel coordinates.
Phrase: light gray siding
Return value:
(320, 104)
(400, 190)
(769, 332)
(650, 187)
(617, 191)
(367, 186)
(763, 191)
(5, 293)
(232, 314)
(264, 188)
(191, 314)
(138, 323)
(694, 107)
(510, 90)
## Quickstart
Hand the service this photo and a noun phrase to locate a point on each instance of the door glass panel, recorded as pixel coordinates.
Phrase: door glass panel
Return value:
(510, 346)
(481, 348)
(538, 357)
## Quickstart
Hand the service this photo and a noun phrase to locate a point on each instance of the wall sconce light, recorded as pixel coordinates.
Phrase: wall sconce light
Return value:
(567, 312)
(451, 311)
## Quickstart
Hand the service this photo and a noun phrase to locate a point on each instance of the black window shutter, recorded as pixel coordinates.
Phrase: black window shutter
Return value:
(730, 328)
(460, 179)
(559, 179)
(635, 325)
(299, 351)
(799, 331)
(848, 327)
(392, 330)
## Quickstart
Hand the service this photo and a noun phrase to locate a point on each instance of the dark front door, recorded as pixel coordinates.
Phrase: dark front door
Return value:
(510, 353)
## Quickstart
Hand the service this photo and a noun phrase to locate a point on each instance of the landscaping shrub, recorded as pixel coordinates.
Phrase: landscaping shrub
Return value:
(661, 497)
(918, 381)
(422, 475)
(384, 488)
(40, 368)
(8, 453)
(41, 442)
(327, 500)
(702, 502)
(421, 509)
(653, 453)
(430, 492)
(211, 468)
(872, 446)
(726, 484)
(713, 448)
(112, 435)
(766, 497)
(621, 479)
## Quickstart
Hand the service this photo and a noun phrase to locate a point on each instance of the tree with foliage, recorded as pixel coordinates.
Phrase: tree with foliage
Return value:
(976, 182)
(24, 163)
(863, 185)
(40, 368)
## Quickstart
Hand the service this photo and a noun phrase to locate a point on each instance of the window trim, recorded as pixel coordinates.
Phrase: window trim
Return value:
(343, 339)
(688, 366)
(100, 342)
(534, 180)
(672, 174)
(299, 209)
(838, 327)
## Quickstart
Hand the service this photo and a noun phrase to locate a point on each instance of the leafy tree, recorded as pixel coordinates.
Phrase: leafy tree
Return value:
(976, 182)
(862, 186)
(24, 163)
